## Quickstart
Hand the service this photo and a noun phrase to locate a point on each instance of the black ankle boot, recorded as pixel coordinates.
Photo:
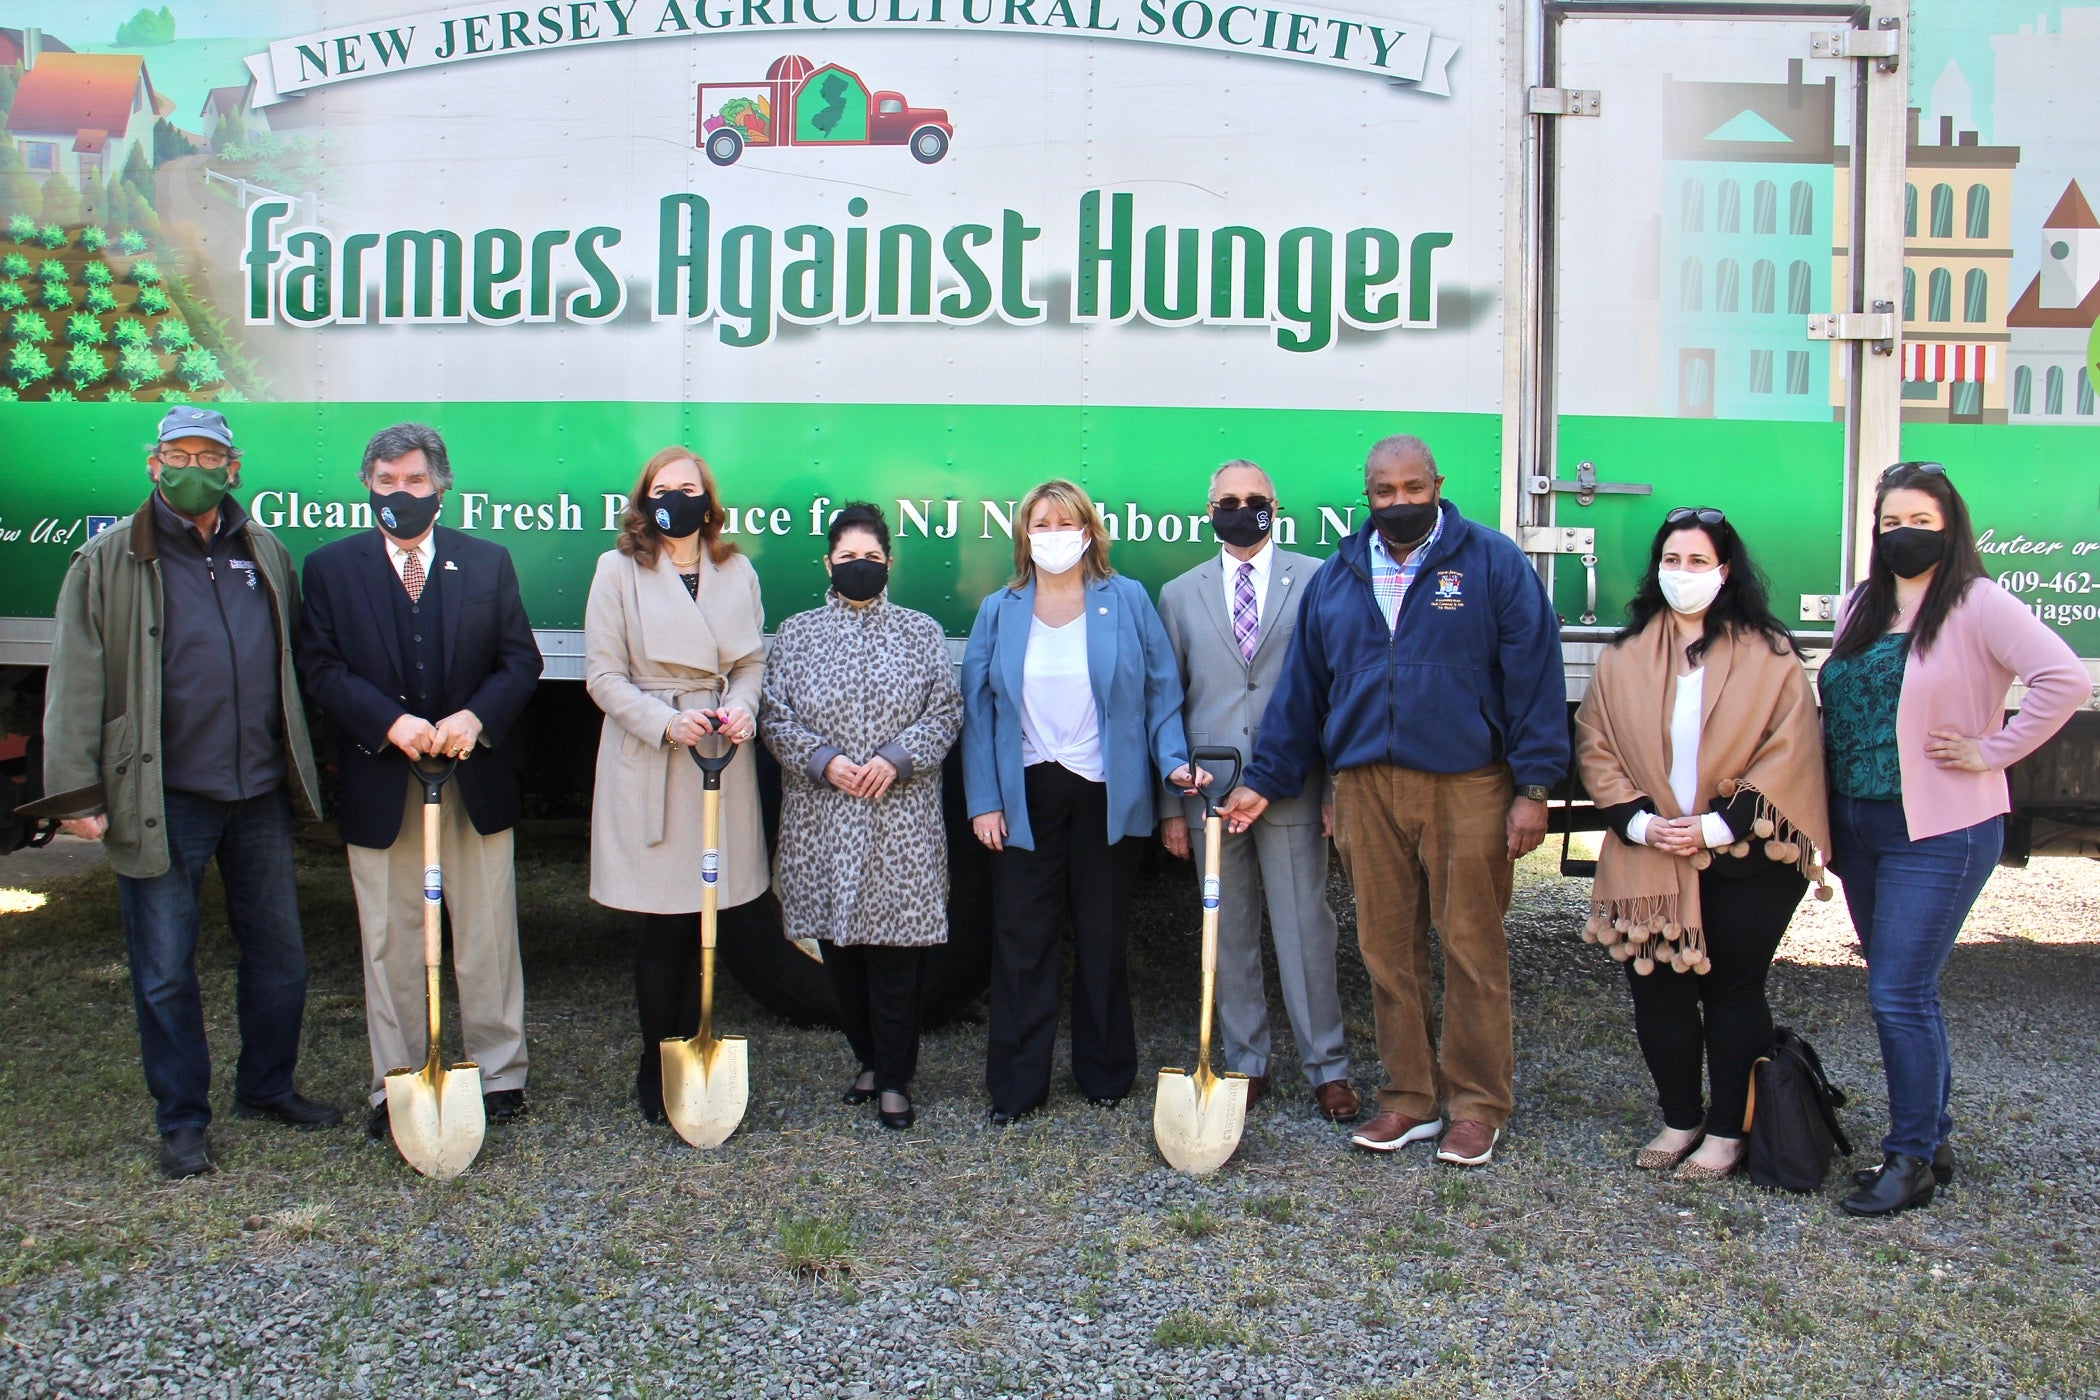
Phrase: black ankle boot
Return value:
(1903, 1183)
(1942, 1168)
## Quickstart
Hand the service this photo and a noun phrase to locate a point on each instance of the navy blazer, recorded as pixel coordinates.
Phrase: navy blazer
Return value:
(1137, 694)
(350, 666)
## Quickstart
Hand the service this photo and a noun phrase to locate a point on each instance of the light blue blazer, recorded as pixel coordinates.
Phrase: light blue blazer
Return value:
(1137, 693)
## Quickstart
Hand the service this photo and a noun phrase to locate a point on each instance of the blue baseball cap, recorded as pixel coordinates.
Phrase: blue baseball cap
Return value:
(185, 421)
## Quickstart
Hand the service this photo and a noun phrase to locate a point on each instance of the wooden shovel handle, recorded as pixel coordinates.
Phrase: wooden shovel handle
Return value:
(1213, 847)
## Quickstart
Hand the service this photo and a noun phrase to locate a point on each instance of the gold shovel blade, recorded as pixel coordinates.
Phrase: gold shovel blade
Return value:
(437, 1117)
(1197, 1119)
(707, 1086)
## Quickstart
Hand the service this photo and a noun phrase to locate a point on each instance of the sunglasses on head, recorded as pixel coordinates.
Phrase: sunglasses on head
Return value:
(1889, 474)
(1705, 515)
(1234, 503)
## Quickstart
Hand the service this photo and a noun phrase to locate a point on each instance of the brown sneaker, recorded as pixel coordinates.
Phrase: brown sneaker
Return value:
(1470, 1143)
(1389, 1131)
(1338, 1102)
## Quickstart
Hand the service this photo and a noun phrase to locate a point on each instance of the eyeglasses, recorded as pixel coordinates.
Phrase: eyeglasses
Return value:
(176, 457)
(1234, 503)
(1705, 515)
(1890, 473)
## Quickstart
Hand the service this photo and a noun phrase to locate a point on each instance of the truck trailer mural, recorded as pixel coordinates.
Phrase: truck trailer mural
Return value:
(828, 106)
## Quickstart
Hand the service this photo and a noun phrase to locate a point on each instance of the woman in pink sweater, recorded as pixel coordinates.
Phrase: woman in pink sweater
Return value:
(1913, 731)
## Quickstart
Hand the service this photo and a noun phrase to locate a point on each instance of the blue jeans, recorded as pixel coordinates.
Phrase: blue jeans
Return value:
(252, 840)
(1908, 899)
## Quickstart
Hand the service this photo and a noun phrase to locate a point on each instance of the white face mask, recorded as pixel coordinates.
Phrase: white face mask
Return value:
(1689, 592)
(1055, 551)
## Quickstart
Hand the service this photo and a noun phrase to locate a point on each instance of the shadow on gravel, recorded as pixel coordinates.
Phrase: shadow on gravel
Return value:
(815, 1254)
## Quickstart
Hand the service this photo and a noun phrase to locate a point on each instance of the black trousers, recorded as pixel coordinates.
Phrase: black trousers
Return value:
(1076, 874)
(667, 985)
(878, 990)
(1690, 1025)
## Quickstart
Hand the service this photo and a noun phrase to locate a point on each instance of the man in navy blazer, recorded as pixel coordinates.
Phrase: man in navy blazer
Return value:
(414, 641)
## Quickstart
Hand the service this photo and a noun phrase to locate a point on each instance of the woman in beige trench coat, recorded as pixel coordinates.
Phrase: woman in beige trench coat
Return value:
(674, 652)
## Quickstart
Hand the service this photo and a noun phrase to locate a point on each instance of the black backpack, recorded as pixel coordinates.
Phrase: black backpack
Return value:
(1792, 1118)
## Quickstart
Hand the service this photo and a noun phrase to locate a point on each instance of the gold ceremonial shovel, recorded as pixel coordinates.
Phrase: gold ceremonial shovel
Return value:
(707, 1082)
(1197, 1118)
(436, 1114)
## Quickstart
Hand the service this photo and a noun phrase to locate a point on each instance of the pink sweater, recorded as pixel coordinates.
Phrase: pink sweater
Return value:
(1988, 640)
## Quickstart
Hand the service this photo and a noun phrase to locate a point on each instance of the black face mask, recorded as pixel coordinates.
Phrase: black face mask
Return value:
(403, 516)
(858, 580)
(677, 515)
(1405, 523)
(1243, 527)
(1909, 551)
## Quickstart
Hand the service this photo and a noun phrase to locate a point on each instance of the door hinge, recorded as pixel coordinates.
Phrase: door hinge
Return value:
(1876, 327)
(1556, 539)
(1883, 44)
(1819, 607)
(1586, 487)
(1566, 102)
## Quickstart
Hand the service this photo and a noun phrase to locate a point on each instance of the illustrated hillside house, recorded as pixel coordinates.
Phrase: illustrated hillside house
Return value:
(222, 104)
(2052, 319)
(82, 115)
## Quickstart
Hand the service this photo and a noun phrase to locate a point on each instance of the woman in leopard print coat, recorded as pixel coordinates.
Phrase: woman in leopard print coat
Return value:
(860, 706)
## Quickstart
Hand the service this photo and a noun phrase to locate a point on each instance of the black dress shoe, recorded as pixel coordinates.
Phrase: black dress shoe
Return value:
(999, 1118)
(1903, 1183)
(902, 1118)
(294, 1109)
(1942, 1168)
(185, 1152)
(855, 1094)
(502, 1105)
(378, 1126)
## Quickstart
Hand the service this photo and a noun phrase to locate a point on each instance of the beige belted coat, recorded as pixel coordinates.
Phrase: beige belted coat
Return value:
(650, 651)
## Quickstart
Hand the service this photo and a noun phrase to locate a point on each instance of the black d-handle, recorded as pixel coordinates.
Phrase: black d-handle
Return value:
(1204, 758)
(432, 773)
(711, 765)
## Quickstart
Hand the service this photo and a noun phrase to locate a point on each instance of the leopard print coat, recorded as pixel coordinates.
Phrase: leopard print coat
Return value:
(860, 682)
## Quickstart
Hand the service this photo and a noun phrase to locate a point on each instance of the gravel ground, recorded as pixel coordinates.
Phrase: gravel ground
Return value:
(816, 1255)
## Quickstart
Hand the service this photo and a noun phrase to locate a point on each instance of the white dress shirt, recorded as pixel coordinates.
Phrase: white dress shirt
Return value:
(1058, 721)
(1684, 765)
(1262, 560)
(398, 557)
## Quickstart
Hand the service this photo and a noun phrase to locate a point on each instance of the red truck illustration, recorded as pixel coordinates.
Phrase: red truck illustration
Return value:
(801, 104)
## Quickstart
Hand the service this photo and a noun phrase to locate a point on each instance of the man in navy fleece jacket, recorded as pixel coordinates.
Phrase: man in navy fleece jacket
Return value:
(1425, 673)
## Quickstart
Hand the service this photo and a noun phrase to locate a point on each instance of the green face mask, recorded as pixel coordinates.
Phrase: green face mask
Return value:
(194, 491)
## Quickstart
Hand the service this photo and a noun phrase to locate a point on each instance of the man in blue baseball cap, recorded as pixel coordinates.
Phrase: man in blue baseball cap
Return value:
(174, 734)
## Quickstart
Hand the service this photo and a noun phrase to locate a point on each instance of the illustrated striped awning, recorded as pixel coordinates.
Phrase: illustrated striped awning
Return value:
(1944, 364)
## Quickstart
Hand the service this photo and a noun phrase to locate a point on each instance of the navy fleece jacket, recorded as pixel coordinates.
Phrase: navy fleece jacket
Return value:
(1471, 674)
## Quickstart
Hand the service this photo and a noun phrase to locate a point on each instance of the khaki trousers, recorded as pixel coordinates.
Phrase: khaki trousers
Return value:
(481, 895)
(1423, 849)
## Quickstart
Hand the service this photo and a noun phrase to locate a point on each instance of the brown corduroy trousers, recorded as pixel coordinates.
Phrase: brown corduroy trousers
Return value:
(1425, 849)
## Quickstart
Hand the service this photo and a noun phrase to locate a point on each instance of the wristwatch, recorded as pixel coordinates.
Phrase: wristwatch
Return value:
(1535, 791)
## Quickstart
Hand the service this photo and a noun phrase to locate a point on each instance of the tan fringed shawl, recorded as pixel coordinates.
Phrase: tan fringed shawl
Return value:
(1758, 732)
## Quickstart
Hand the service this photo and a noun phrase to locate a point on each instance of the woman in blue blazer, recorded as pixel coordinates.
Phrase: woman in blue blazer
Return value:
(1071, 708)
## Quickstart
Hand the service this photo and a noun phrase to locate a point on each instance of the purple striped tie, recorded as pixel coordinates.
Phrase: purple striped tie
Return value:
(1244, 620)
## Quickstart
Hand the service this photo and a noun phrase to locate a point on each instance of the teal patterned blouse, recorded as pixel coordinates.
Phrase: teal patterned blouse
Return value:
(1859, 719)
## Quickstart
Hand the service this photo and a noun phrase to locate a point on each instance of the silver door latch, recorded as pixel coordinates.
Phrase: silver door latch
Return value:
(1586, 487)
(1566, 102)
(1819, 607)
(1883, 44)
(1876, 327)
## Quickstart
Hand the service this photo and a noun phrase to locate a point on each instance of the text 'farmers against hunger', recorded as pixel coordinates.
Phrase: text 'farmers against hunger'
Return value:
(748, 279)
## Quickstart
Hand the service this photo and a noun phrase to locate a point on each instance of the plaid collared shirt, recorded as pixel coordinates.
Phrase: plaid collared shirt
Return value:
(1390, 581)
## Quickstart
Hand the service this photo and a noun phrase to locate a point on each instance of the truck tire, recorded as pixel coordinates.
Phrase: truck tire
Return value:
(724, 146)
(790, 982)
(928, 144)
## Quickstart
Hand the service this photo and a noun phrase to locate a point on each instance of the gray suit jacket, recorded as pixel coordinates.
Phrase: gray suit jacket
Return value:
(1226, 694)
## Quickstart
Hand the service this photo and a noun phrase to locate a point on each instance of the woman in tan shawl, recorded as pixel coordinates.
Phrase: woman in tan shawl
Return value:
(1699, 743)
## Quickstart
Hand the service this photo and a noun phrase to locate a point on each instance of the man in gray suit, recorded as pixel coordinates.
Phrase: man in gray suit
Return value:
(1229, 620)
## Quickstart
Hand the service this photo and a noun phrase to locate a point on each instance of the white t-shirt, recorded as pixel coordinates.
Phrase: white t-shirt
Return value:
(1058, 721)
(1684, 764)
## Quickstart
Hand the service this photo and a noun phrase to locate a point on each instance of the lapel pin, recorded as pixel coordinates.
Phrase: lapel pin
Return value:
(1104, 612)
(451, 567)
